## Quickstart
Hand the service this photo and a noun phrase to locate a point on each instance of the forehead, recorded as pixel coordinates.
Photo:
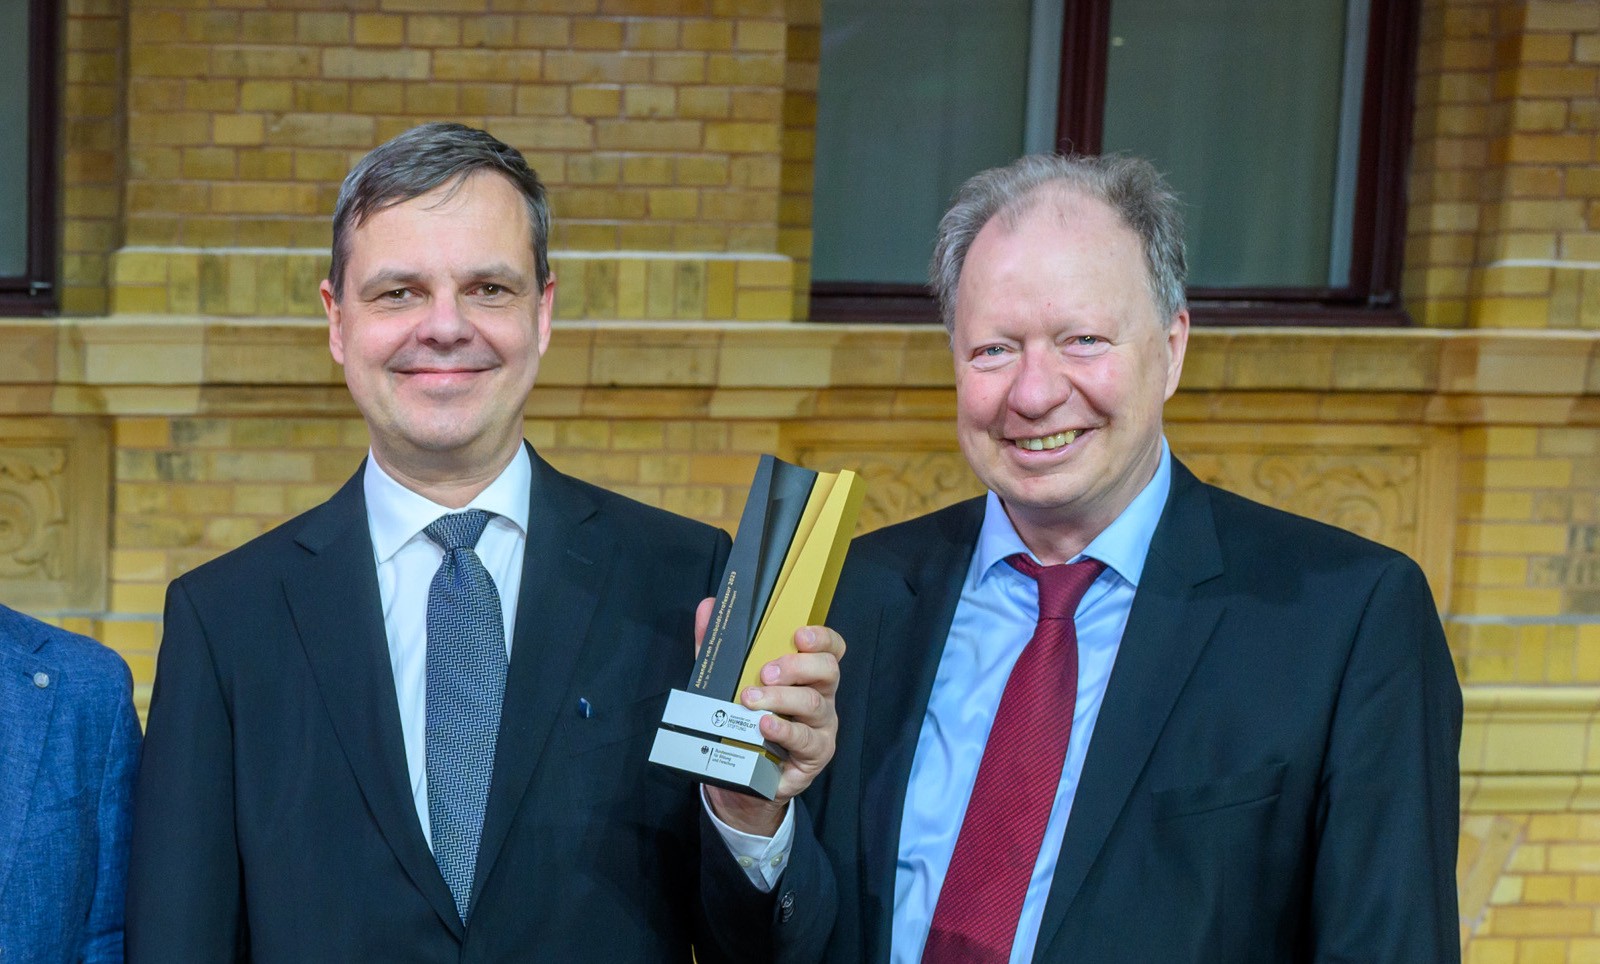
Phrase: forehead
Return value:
(481, 207)
(1058, 253)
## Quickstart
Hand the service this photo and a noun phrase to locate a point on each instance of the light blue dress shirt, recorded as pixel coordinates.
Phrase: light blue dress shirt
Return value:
(994, 620)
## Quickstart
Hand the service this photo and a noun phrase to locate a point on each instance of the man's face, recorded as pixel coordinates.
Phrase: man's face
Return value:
(440, 327)
(1062, 367)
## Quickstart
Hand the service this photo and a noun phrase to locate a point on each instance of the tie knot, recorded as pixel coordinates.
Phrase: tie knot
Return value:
(1061, 587)
(458, 530)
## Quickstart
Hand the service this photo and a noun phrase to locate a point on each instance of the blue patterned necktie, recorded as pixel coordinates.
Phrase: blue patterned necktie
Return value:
(466, 680)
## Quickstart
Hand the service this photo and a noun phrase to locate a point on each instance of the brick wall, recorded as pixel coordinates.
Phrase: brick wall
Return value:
(1504, 226)
(204, 140)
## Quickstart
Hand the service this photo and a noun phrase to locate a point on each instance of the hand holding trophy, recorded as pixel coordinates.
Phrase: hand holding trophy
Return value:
(734, 726)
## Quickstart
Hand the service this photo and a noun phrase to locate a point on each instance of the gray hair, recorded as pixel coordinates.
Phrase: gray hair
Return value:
(418, 161)
(1131, 186)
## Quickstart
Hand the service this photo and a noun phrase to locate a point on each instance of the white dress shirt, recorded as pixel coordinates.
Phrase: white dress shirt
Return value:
(407, 560)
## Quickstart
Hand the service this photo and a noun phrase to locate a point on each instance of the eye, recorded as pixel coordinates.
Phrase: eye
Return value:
(1086, 341)
(992, 351)
(491, 290)
(396, 294)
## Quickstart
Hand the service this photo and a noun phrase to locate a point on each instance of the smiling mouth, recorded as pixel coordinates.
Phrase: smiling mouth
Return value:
(1046, 442)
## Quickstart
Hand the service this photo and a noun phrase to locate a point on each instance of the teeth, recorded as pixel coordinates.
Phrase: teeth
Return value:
(1048, 442)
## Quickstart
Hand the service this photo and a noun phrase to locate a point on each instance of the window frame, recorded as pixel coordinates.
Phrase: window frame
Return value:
(1379, 220)
(37, 291)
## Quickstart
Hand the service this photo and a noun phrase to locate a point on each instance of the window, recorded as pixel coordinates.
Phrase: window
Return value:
(28, 32)
(1283, 126)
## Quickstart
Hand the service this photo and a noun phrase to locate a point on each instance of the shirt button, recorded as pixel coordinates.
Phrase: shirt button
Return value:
(777, 860)
(746, 862)
(41, 680)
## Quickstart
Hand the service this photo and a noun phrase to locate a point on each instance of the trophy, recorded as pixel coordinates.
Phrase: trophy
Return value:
(793, 535)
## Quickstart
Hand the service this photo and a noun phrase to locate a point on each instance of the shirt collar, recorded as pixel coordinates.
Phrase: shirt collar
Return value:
(395, 514)
(1122, 546)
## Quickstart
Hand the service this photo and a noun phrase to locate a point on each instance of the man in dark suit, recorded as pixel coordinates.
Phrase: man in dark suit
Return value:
(1107, 712)
(69, 750)
(412, 724)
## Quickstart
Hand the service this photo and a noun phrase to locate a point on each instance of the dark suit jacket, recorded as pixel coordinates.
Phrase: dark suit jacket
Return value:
(69, 750)
(274, 818)
(1273, 776)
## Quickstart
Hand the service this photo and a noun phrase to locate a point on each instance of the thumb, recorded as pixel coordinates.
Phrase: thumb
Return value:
(702, 619)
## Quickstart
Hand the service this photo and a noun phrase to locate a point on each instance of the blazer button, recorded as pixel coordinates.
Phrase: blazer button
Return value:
(786, 908)
(41, 680)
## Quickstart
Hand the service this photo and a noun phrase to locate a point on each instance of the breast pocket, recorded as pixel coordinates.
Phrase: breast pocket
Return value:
(1237, 792)
(609, 725)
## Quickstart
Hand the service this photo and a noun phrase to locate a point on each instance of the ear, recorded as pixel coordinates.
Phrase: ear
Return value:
(330, 306)
(543, 312)
(1177, 343)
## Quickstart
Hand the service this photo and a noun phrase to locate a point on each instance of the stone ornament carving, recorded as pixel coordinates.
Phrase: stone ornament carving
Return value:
(53, 514)
(33, 522)
(1394, 485)
(900, 485)
(1373, 495)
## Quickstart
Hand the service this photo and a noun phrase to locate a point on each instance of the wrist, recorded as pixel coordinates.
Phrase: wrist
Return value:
(747, 814)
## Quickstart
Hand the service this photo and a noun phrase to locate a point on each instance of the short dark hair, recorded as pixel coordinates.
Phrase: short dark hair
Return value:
(422, 159)
(1131, 186)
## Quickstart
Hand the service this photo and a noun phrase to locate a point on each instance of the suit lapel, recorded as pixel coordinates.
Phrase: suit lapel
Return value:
(1167, 628)
(565, 565)
(339, 615)
(25, 718)
(910, 638)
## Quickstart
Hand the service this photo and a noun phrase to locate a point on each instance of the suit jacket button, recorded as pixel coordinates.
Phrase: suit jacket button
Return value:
(786, 907)
(41, 680)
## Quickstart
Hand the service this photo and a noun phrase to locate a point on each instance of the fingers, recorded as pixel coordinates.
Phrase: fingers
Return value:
(819, 639)
(702, 619)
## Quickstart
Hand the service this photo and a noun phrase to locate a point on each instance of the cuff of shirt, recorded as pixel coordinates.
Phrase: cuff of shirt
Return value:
(761, 858)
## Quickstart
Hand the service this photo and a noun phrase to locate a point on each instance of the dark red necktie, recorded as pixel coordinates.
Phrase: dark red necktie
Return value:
(975, 921)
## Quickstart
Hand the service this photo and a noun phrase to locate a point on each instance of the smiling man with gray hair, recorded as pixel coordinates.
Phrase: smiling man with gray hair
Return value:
(1115, 714)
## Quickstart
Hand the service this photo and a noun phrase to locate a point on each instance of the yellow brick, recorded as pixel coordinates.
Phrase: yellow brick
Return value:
(590, 34)
(261, 26)
(238, 129)
(1541, 921)
(650, 101)
(433, 31)
(372, 29)
(678, 68)
(1528, 473)
(763, 305)
(266, 95)
(703, 171)
(495, 31)
(739, 136)
(647, 169)
(1492, 570)
(651, 34)
(1491, 951)
(1542, 952)
(674, 203)
(1546, 148)
(356, 64)
(1525, 312)
(646, 135)
(138, 597)
(760, 35)
(596, 101)
(322, 28)
(707, 35)
(765, 273)
(488, 99)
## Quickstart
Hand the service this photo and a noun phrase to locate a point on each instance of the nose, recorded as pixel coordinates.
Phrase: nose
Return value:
(445, 324)
(1040, 386)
